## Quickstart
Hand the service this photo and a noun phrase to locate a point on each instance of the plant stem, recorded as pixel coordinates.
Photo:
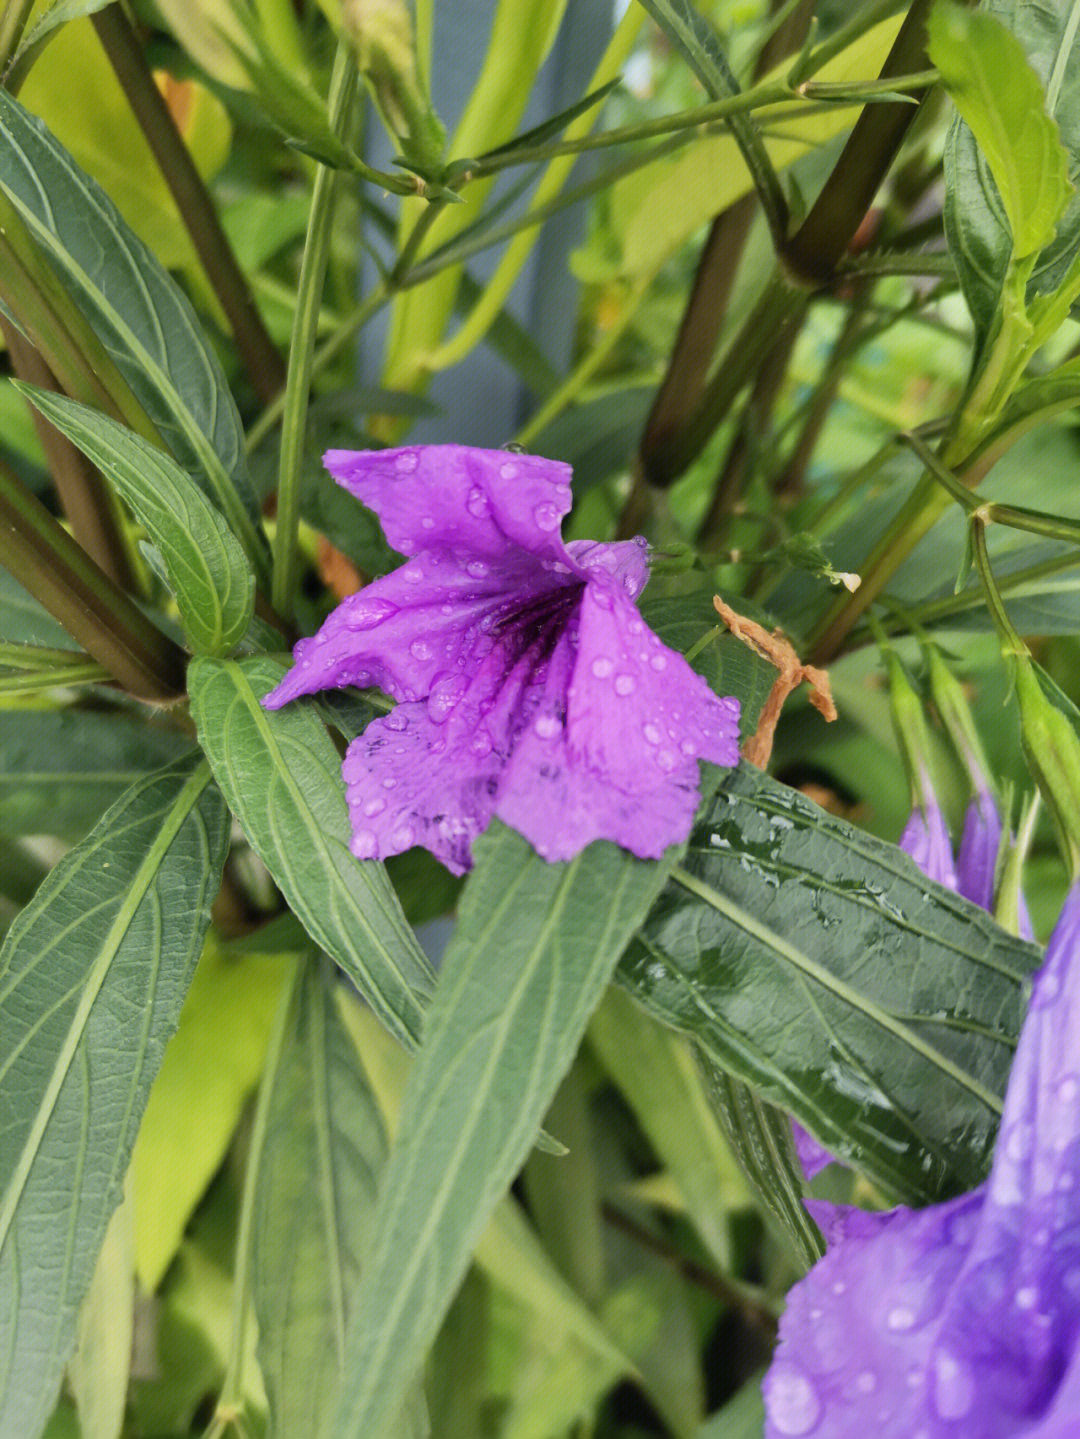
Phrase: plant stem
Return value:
(343, 80)
(12, 24)
(254, 345)
(87, 500)
(59, 573)
(814, 251)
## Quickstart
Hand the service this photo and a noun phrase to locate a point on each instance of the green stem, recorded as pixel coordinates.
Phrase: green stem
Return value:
(929, 612)
(59, 573)
(254, 345)
(302, 349)
(30, 681)
(231, 1399)
(12, 24)
(1011, 643)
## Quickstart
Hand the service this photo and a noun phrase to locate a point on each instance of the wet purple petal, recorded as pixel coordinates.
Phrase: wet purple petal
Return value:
(976, 862)
(962, 1319)
(529, 687)
(812, 1156)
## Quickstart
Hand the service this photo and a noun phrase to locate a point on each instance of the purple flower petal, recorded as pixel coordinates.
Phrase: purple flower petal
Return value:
(926, 839)
(812, 1156)
(962, 1319)
(529, 687)
(977, 861)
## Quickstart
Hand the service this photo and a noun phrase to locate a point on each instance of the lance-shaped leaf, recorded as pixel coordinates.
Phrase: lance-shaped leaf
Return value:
(319, 1162)
(535, 945)
(820, 966)
(282, 778)
(208, 572)
(138, 311)
(92, 977)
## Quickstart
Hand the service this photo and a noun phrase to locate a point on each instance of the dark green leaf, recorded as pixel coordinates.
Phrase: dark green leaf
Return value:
(24, 621)
(137, 309)
(92, 977)
(208, 573)
(820, 966)
(282, 778)
(557, 123)
(319, 1164)
(61, 769)
(534, 948)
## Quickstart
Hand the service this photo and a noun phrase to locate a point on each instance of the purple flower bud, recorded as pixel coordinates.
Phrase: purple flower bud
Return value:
(926, 839)
(976, 864)
(961, 1319)
(528, 685)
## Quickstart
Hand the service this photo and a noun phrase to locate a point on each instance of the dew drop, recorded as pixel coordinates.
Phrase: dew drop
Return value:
(1027, 1297)
(364, 843)
(659, 662)
(508, 471)
(420, 650)
(412, 574)
(477, 503)
(389, 783)
(477, 568)
(407, 462)
(480, 744)
(602, 667)
(866, 1382)
(791, 1401)
(445, 694)
(651, 733)
(688, 747)
(374, 807)
(395, 721)
(427, 523)
(954, 1386)
(625, 685)
(1019, 1140)
(900, 1318)
(547, 726)
(365, 614)
(636, 627)
(1068, 1089)
(600, 597)
(546, 516)
(666, 760)
(404, 836)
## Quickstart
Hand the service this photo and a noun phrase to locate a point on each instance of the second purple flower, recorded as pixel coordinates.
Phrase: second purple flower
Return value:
(528, 685)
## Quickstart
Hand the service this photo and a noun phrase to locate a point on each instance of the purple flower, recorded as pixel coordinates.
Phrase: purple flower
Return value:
(976, 863)
(962, 1320)
(528, 685)
(926, 839)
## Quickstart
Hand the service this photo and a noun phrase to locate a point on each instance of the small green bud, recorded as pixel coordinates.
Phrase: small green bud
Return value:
(909, 722)
(948, 695)
(1052, 749)
(382, 32)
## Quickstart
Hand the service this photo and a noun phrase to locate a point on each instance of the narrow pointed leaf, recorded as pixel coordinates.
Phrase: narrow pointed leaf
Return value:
(535, 945)
(208, 572)
(820, 966)
(282, 778)
(92, 977)
(315, 1193)
(138, 311)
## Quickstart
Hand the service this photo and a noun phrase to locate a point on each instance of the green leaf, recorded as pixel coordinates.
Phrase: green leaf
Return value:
(1027, 56)
(92, 977)
(210, 1069)
(760, 1135)
(1001, 100)
(100, 1368)
(315, 1192)
(61, 769)
(282, 778)
(208, 573)
(534, 948)
(657, 1074)
(139, 312)
(57, 14)
(820, 966)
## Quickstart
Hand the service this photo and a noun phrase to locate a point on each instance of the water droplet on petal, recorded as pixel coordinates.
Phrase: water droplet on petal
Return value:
(600, 597)
(364, 844)
(508, 471)
(389, 783)
(407, 462)
(791, 1401)
(427, 522)
(625, 685)
(412, 574)
(547, 726)
(546, 516)
(1067, 1090)
(900, 1318)
(1027, 1297)
(666, 760)
(866, 1382)
(477, 503)
(395, 721)
(477, 569)
(688, 747)
(651, 733)
(954, 1386)
(445, 694)
(659, 662)
(1019, 1140)
(403, 837)
(374, 807)
(480, 744)
(365, 614)
(602, 667)
(420, 650)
